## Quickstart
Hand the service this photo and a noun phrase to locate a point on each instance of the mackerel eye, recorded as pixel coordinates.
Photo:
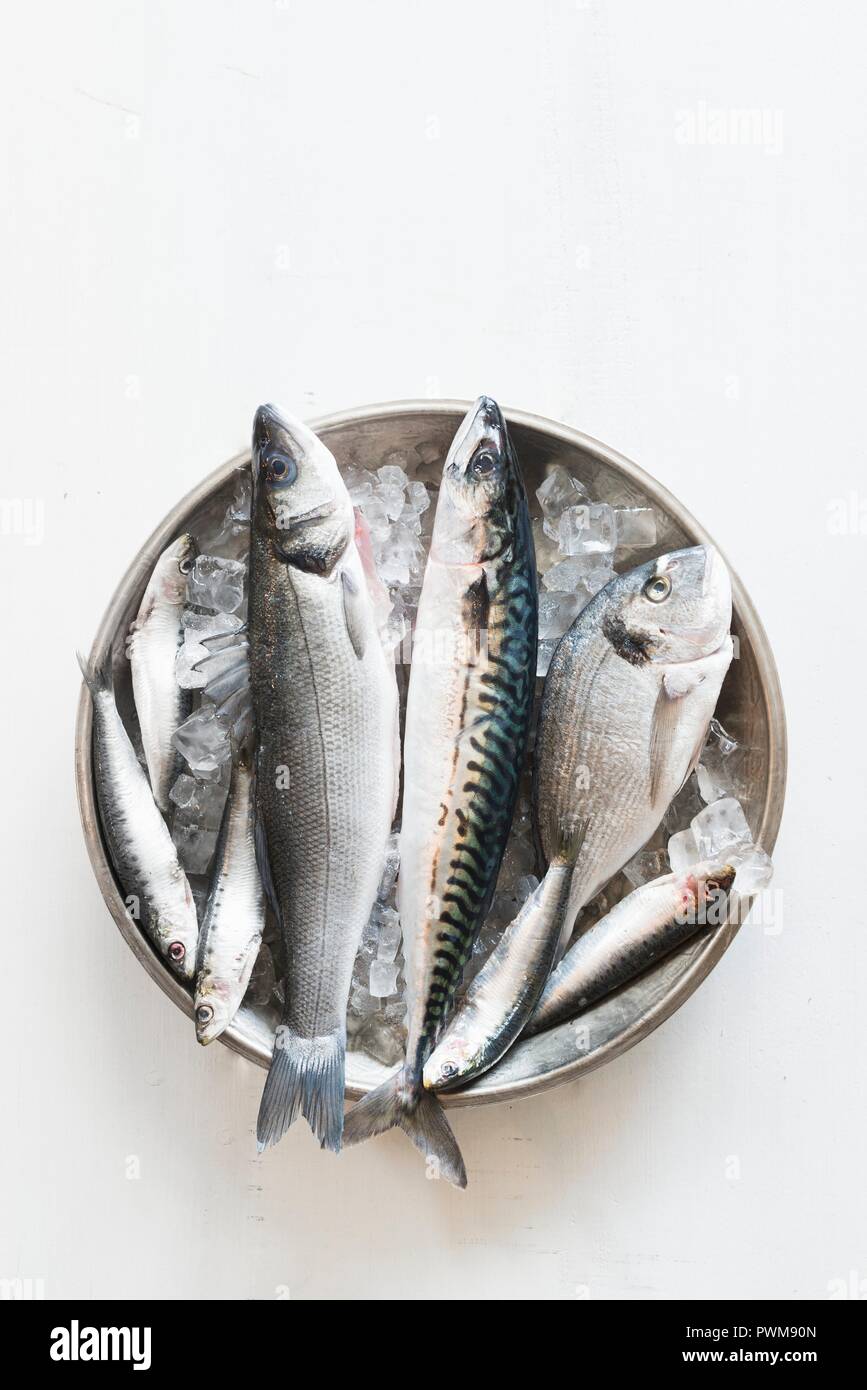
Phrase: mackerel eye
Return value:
(658, 588)
(177, 950)
(281, 470)
(204, 1013)
(484, 464)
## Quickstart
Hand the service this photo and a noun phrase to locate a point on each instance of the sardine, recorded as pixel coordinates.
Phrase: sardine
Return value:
(158, 895)
(325, 709)
(502, 996)
(154, 638)
(646, 925)
(468, 711)
(235, 913)
(627, 701)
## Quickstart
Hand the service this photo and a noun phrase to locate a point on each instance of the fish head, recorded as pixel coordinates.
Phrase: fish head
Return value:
(177, 934)
(455, 1058)
(705, 888)
(299, 498)
(172, 569)
(481, 489)
(214, 1006)
(672, 609)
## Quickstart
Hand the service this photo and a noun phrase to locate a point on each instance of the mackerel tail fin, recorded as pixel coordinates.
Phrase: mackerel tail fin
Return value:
(401, 1102)
(306, 1075)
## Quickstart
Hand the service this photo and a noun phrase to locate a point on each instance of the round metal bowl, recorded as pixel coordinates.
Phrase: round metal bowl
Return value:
(750, 705)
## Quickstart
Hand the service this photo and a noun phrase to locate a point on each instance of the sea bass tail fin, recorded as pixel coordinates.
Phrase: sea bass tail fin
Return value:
(398, 1103)
(307, 1076)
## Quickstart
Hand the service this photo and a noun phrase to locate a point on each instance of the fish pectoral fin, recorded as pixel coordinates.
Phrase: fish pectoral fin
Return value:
(475, 614)
(353, 613)
(677, 684)
(662, 730)
(226, 669)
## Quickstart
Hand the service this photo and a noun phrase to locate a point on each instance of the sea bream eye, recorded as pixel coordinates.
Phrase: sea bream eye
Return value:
(657, 588)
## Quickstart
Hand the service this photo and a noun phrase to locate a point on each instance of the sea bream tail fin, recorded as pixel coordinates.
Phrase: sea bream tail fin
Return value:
(97, 677)
(397, 1102)
(307, 1076)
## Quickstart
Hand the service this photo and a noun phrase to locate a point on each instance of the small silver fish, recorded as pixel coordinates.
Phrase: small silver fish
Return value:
(141, 848)
(645, 926)
(152, 647)
(234, 916)
(627, 701)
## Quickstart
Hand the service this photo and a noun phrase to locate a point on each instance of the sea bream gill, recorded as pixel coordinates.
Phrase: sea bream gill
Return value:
(158, 895)
(625, 710)
(152, 646)
(468, 712)
(327, 764)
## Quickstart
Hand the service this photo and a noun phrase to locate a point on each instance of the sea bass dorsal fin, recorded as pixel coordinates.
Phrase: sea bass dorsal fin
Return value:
(674, 687)
(353, 613)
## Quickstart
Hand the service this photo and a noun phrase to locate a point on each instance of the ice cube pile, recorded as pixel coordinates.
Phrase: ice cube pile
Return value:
(377, 1007)
(576, 543)
(397, 514)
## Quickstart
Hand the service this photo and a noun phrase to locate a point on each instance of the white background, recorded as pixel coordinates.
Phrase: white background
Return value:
(332, 204)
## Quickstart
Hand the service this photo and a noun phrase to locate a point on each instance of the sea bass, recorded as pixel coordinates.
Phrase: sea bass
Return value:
(468, 712)
(154, 638)
(627, 701)
(502, 996)
(645, 926)
(325, 710)
(157, 892)
(234, 916)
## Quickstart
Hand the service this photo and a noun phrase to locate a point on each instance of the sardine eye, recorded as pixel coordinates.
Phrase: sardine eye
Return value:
(657, 588)
(185, 565)
(484, 463)
(281, 470)
(204, 1013)
(449, 1069)
(177, 950)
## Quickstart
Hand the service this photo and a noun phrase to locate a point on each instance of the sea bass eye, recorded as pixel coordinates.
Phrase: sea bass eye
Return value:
(281, 470)
(657, 588)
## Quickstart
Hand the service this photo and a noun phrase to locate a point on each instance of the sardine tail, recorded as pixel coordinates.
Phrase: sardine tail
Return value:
(96, 678)
(397, 1103)
(307, 1076)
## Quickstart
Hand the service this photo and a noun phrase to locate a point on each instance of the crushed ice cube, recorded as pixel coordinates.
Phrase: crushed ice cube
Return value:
(359, 484)
(239, 508)
(683, 851)
(383, 978)
(263, 978)
(558, 611)
(195, 846)
(381, 1039)
(719, 827)
(216, 583)
(590, 571)
(389, 935)
(201, 802)
(391, 497)
(559, 491)
(636, 526)
(203, 742)
(392, 475)
(401, 554)
(417, 497)
(376, 517)
(753, 870)
(587, 530)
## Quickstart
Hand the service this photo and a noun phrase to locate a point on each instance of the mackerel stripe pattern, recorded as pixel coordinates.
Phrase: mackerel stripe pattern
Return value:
(499, 696)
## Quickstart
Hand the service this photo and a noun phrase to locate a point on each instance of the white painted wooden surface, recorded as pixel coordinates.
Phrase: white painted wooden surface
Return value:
(331, 204)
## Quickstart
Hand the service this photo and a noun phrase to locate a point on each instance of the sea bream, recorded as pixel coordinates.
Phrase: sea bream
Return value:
(152, 647)
(234, 915)
(646, 925)
(158, 895)
(468, 712)
(327, 765)
(627, 701)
